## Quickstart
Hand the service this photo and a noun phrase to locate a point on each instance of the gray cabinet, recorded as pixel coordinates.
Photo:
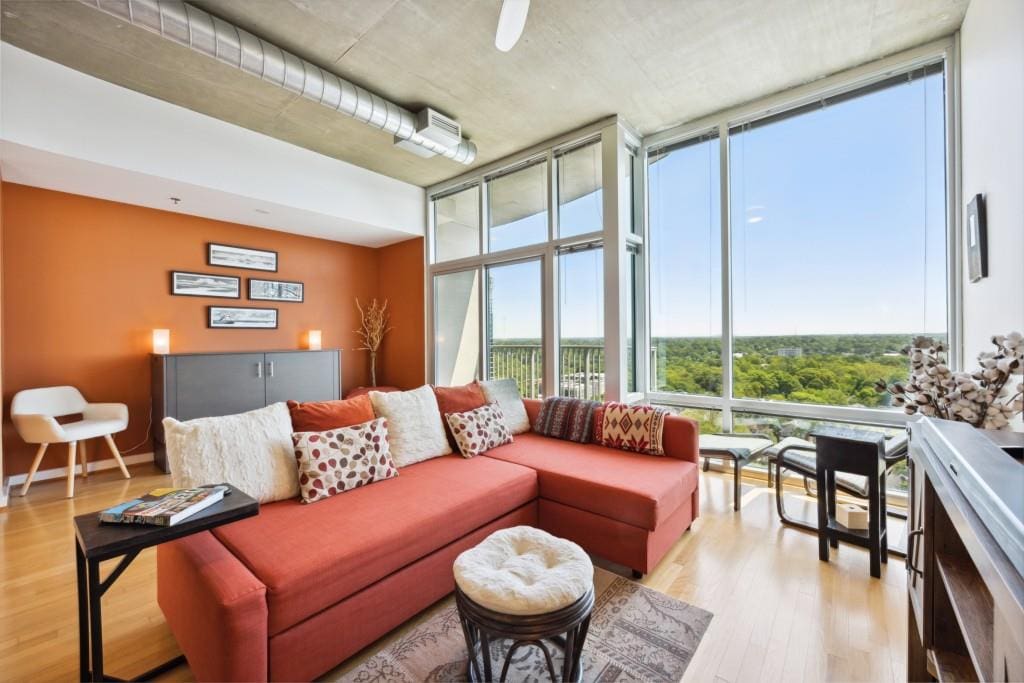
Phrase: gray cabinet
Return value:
(191, 385)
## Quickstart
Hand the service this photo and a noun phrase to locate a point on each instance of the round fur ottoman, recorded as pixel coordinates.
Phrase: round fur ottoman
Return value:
(528, 586)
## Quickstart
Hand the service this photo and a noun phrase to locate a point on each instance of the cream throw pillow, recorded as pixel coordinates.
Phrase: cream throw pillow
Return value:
(415, 430)
(505, 392)
(253, 451)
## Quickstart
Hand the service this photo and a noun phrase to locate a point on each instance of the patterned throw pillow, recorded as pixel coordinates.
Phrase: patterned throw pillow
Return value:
(341, 459)
(571, 419)
(479, 430)
(633, 428)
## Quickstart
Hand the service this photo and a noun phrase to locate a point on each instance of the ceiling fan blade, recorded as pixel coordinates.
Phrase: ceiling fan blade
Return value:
(511, 22)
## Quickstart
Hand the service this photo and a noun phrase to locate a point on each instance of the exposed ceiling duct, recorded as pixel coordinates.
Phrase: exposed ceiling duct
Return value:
(200, 31)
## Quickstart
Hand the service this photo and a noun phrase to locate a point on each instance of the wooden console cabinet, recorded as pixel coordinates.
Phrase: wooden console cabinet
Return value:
(191, 385)
(965, 556)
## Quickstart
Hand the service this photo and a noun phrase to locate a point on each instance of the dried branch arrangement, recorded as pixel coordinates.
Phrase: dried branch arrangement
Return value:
(374, 321)
(984, 398)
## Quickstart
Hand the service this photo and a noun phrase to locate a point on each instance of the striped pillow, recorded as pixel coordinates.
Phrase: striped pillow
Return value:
(571, 419)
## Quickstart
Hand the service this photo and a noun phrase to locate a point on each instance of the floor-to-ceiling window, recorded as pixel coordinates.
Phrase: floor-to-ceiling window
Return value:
(836, 256)
(517, 266)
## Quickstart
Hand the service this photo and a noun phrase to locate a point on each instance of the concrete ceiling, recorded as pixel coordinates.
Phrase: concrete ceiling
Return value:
(657, 63)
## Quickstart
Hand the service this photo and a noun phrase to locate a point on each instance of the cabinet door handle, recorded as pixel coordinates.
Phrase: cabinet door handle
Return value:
(912, 552)
(259, 370)
(270, 369)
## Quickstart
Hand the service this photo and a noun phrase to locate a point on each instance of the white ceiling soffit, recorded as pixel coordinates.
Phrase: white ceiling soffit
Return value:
(64, 130)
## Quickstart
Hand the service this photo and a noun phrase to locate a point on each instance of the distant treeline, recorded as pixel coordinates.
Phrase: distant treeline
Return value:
(835, 369)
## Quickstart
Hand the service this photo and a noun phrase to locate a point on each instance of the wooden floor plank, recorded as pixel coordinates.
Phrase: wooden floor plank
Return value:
(779, 613)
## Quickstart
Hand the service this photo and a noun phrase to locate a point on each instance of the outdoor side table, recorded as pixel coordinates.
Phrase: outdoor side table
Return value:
(740, 448)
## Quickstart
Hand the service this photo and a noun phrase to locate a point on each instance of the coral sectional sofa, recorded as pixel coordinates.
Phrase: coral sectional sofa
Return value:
(291, 593)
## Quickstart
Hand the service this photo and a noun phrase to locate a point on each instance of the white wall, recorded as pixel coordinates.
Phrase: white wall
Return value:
(64, 130)
(992, 110)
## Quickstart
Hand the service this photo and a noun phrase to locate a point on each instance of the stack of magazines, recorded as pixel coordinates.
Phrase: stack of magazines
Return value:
(164, 507)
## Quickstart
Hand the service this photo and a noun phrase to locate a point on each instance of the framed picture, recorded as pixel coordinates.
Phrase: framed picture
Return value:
(240, 257)
(977, 239)
(204, 284)
(276, 290)
(242, 318)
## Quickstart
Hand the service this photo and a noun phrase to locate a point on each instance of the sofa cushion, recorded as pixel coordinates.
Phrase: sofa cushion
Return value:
(458, 400)
(505, 392)
(479, 430)
(343, 459)
(312, 556)
(253, 451)
(641, 490)
(415, 428)
(571, 419)
(631, 428)
(319, 416)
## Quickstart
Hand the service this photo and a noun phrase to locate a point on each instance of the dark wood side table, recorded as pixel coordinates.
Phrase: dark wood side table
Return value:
(853, 451)
(96, 542)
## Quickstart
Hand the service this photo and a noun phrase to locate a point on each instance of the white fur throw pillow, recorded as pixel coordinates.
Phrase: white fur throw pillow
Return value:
(252, 451)
(415, 430)
(505, 392)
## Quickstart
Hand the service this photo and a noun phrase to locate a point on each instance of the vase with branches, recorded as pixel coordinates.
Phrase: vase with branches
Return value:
(989, 397)
(374, 319)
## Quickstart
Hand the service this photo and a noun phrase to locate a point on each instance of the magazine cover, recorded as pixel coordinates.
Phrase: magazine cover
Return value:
(164, 506)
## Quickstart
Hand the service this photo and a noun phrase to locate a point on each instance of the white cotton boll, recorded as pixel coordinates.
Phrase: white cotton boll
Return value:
(1004, 365)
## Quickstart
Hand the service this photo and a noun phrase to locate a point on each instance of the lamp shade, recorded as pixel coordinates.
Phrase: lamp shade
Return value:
(161, 341)
(314, 340)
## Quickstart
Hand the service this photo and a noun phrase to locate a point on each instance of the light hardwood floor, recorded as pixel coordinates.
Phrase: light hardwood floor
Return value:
(779, 613)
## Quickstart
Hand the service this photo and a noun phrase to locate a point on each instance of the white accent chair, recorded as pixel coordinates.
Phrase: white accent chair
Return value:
(33, 412)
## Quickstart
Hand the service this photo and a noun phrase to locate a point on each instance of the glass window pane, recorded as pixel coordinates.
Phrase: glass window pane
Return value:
(518, 208)
(456, 327)
(515, 325)
(709, 420)
(838, 234)
(581, 324)
(685, 269)
(631, 320)
(579, 191)
(457, 225)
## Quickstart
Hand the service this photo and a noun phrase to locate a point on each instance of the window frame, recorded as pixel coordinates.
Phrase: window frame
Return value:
(612, 134)
(941, 51)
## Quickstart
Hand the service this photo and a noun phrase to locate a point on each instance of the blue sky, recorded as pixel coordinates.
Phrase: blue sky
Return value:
(838, 227)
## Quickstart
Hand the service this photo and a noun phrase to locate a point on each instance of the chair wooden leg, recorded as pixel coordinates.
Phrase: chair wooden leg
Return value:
(35, 466)
(71, 468)
(83, 457)
(117, 456)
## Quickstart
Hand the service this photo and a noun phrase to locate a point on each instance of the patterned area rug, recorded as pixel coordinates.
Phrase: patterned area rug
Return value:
(636, 634)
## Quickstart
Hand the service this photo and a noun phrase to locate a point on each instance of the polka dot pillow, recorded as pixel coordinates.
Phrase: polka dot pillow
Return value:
(479, 430)
(341, 459)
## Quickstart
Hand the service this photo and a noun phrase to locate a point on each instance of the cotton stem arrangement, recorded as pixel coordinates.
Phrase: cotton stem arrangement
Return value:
(988, 397)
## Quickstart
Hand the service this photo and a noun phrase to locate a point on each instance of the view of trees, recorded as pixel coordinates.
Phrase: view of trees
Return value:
(823, 369)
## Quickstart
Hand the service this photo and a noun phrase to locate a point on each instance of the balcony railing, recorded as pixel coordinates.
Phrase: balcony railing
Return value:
(581, 369)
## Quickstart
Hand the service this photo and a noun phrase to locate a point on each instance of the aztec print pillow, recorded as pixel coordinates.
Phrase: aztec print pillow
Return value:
(570, 419)
(632, 428)
(479, 430)
(341, 459)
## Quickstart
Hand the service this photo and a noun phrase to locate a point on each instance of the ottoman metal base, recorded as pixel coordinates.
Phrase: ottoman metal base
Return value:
(566, 627)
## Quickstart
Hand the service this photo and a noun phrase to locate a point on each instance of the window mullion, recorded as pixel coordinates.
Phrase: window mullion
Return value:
(727, 337)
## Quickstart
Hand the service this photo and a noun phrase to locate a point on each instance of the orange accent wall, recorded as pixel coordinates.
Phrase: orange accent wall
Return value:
(85, 281)
(401, 361)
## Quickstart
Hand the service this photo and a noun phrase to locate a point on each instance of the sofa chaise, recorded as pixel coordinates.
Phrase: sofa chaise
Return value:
(293, 592)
